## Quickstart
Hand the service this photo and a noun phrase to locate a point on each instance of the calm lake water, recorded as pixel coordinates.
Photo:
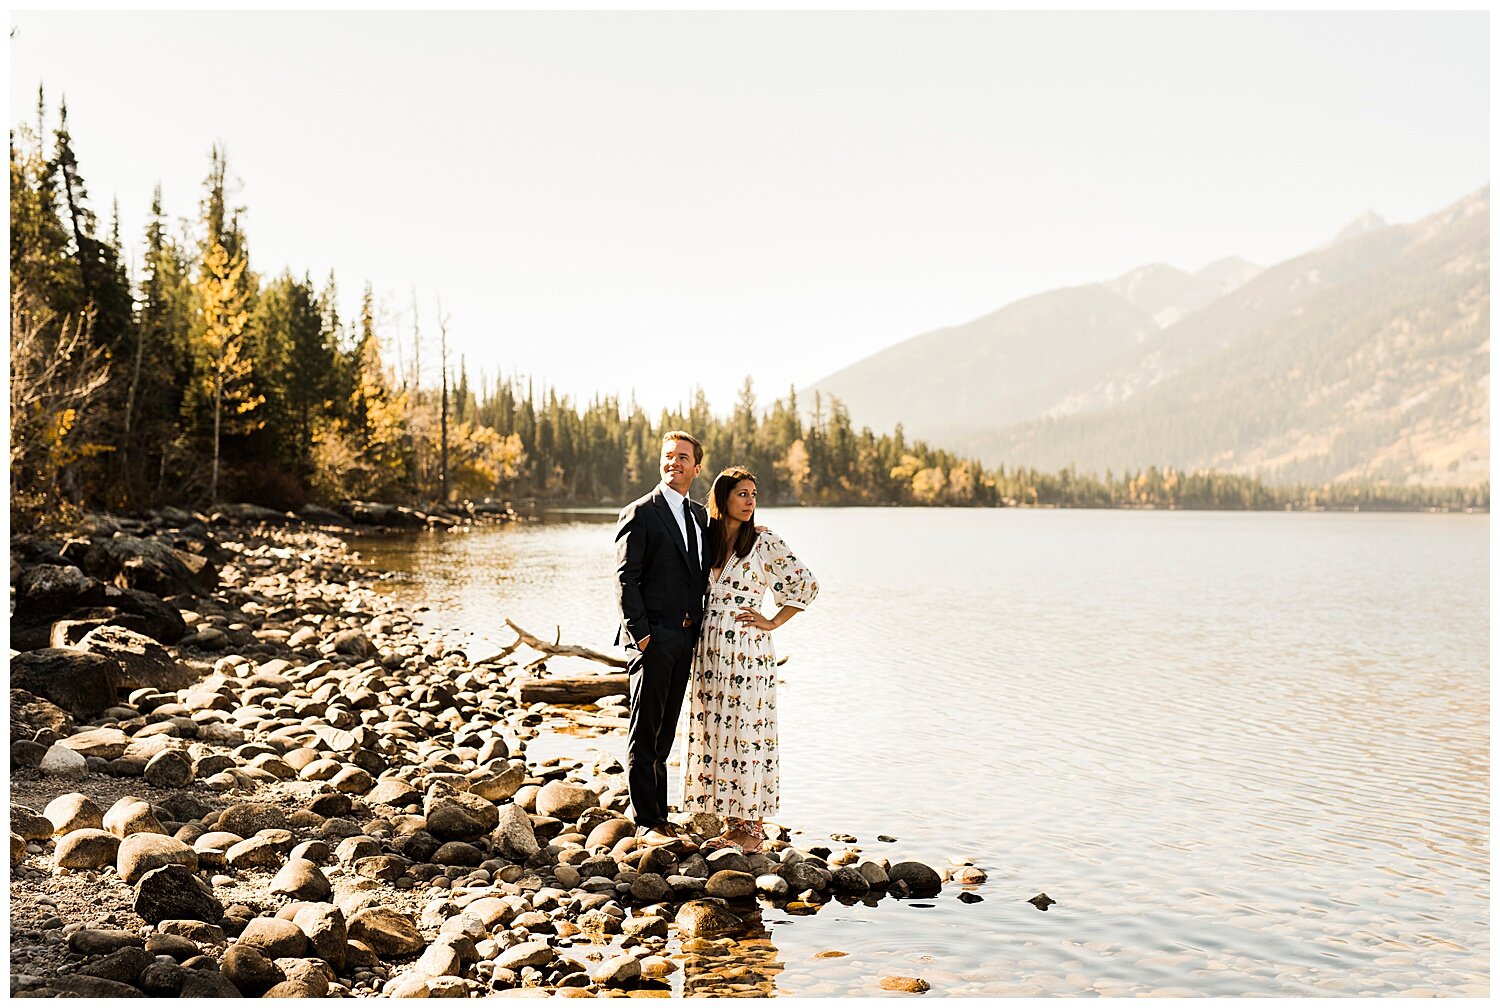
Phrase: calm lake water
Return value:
(1246, 753)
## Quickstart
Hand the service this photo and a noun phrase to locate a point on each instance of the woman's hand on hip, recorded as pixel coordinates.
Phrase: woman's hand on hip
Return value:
(749, 617)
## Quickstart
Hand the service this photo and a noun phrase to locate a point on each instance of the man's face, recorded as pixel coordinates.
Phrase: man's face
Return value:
(678, 470)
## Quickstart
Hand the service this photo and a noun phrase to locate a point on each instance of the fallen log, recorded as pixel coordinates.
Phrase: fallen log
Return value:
(590, 719)
(580, 690)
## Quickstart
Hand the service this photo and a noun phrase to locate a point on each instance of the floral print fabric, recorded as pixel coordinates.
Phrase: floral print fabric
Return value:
(732, 766)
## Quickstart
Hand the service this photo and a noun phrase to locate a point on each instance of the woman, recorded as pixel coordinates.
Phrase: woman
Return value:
(732, 767)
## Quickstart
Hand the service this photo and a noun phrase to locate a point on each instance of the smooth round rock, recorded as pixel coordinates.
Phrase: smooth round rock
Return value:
(169, 769)
(73, 811)
(274, 938)
(302, 879)
(140, 853)
(84, 849)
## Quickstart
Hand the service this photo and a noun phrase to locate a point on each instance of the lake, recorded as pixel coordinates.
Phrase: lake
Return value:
(1246, 753)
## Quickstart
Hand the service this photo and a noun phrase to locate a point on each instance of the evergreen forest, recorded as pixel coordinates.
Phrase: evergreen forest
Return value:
(204, 375)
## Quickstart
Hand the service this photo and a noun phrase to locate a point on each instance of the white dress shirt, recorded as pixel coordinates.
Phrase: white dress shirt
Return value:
(675, 499)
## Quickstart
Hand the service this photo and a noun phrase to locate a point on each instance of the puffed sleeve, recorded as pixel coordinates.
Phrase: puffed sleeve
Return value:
(791, 583)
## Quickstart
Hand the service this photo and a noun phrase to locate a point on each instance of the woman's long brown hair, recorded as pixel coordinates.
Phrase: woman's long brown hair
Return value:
(718, 508)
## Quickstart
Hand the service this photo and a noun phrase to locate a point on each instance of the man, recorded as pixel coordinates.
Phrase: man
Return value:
(662, 576)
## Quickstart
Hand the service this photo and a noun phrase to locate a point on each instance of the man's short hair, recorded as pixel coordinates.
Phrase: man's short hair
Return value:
(682, 435)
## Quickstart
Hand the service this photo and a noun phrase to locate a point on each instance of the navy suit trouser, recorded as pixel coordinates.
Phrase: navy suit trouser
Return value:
(658, 684)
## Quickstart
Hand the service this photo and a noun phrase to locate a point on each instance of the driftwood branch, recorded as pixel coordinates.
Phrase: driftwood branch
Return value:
(555, 649)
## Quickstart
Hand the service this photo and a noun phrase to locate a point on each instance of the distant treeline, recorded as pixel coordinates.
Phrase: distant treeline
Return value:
(200, 380)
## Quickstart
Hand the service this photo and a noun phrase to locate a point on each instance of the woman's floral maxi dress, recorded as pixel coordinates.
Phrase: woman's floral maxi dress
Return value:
(732, 765)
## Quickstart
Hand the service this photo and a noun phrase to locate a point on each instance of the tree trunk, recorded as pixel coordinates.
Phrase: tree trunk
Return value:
(213, 480)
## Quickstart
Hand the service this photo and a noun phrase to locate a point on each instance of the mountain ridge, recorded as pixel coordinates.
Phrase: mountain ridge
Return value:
(1103, 377)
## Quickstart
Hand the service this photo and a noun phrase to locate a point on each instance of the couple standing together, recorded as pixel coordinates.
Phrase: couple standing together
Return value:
(690, 584)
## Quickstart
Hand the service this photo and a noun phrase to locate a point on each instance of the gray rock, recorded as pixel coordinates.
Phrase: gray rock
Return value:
(86, 987)
(393, 791)
(532, 953)
(169, 769)
(458, 815)
(81, 683)
(143, 662)
(385, 867)
(772, 885)
(609, 833)
(256, 852)
(920, 879)
(274, 938)
(140, 853)
(498, 785)
(29, 824)
(456, 853)
(103, 743)
(730, 884)
(440, 959)
(351, 642)
(389, 932)
(352, 780)
(305, 978)
(618, 971)
(649, 887)
(131, 815)
(249, 818)
(874, 874)
(162, 979)
(407, 985)
(198, 932)
(179, 948)
(565, 801)
(173, 892)
(849, 881)
(804, 875)
(86, 849)
(100, 941)
(513, 835)
(26, 753)
(302, 880)
(54, 588)
(326, 930)
(250, 970)
(63, 763)
(38, 720)
(707, 919)
(122, 965)
(208, 984)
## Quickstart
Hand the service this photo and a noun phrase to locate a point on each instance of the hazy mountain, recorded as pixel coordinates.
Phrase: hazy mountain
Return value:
(996, 369)
(1368, 356)
(1366, 223)
(1168, 294)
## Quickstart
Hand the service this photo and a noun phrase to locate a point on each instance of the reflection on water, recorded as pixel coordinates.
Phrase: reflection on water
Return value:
(1246, 753)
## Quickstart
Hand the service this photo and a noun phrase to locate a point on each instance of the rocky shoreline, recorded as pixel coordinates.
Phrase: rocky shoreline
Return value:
(238, 770)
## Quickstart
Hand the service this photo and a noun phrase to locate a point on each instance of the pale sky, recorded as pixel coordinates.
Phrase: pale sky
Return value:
(648, 202)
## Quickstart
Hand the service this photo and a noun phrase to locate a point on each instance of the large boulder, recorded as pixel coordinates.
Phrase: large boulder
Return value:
(30, 714)
(143, 662)
(81, 683)
(173, 892)
(144, 613)
(50, 588)
(143, 564)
